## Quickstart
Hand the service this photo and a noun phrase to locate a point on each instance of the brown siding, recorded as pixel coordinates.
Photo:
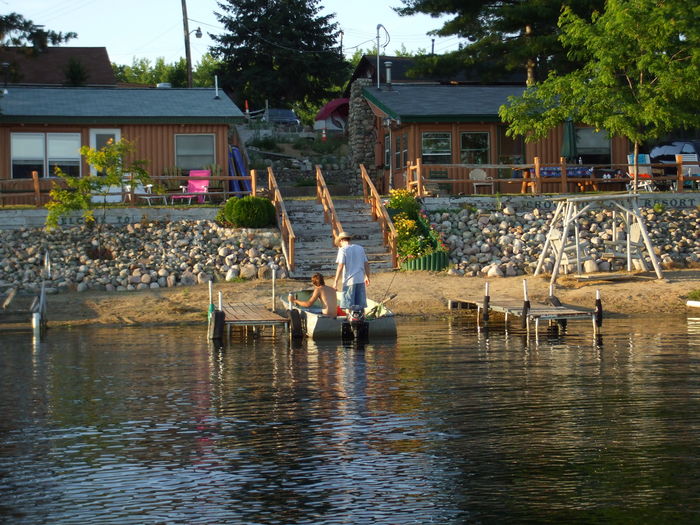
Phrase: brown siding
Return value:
(154, 143)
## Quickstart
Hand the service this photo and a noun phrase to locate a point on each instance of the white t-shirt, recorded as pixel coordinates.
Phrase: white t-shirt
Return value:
(353, 257)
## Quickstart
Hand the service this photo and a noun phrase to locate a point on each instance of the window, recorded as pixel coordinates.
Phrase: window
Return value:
(405, 151)
(387, 151)
(474, 148)
(397, 153)
(194, 152)
(43, 153)
(437, 148)
(593, 146)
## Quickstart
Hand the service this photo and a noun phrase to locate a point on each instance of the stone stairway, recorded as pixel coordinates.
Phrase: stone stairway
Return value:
(314, 248)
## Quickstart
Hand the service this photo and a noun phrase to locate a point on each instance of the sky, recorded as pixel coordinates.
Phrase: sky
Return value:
(153, 28)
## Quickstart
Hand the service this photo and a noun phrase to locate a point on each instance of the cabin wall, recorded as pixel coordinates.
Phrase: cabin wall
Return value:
(154, 143)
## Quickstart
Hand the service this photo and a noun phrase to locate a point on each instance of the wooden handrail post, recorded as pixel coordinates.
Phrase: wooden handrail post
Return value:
(564, 185)
(253, 184)
(538, 180)
(680, 179)
(37, 189)
(419, 177)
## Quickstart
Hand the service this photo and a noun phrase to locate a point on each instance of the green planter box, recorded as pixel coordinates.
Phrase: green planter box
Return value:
(434, 262)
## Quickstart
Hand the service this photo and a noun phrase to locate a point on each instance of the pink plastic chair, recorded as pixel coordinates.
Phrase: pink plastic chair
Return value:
(195, 188)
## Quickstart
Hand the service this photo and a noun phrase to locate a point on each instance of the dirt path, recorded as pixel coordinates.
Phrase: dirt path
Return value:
(418, 293)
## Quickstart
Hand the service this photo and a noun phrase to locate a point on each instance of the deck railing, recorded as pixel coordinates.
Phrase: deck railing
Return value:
(283, 222)
(541, 178)
(35, 191)
(379, 214)
(323, 196)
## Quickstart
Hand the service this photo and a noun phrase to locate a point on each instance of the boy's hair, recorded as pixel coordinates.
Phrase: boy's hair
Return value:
(317, 280)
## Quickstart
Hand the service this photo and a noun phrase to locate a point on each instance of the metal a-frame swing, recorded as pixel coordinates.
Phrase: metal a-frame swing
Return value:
(568, 211)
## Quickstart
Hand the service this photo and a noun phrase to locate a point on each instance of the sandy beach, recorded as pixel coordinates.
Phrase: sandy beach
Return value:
(417, 294)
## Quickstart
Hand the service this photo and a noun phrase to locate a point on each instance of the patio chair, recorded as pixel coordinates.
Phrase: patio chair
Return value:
(691, 169)
(196, 188)
(136, 190)
(479, 178)
(645, 177)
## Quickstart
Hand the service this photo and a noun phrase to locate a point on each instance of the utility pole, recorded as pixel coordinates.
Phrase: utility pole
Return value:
(188, 54)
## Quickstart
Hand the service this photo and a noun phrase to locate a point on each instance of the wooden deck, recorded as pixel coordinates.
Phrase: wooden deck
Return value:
(247, 315)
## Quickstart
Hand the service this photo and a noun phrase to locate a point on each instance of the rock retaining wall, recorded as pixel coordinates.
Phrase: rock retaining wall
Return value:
(145, 255)
(506, 243)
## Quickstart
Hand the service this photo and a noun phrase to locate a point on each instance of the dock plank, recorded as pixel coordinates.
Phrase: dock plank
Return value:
(246, 314)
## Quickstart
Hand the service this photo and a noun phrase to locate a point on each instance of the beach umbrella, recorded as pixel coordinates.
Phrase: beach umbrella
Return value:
(568, 143)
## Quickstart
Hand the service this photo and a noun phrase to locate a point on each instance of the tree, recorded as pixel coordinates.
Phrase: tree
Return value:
(278, 50)
(16, 31)
(142, 72)
(640, 76)
(501, 35)
(111, 170)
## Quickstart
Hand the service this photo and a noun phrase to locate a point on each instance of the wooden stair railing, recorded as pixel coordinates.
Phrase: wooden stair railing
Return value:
(379, 214)
(323, 196)
(283, 223)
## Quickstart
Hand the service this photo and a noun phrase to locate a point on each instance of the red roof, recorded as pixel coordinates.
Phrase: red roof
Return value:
(49, 66)
(341, 106)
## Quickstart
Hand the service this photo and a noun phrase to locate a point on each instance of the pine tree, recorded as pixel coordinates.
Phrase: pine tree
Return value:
(15, 30)
(502, 36)
(281, 51)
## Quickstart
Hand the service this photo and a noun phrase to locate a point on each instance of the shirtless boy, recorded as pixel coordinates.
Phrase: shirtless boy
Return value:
(323, 292)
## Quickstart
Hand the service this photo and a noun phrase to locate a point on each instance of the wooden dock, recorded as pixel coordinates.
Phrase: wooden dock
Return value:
(253, 316)
(531, 313)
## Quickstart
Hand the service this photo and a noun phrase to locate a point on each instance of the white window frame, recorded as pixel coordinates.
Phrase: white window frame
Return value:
(212, 135)
(117, 132)
(46, 172)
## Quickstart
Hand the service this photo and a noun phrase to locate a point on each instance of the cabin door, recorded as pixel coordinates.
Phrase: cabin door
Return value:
(100, 137)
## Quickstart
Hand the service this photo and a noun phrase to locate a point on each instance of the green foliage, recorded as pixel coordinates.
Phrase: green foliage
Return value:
(247, 212)
(111, 169)
(403, 201)
(15, 30)
(76, 75)
(282, 52)
(142, 72)
(500, 36)
(659, 207)
(415, 236)
(694, 295)
(640, 75)
(265, 143)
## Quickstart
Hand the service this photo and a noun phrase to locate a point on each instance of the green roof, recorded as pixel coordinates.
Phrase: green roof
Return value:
(441, 102)
(117, 105)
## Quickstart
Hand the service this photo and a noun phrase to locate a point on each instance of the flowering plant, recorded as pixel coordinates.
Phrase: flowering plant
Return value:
(415, 235)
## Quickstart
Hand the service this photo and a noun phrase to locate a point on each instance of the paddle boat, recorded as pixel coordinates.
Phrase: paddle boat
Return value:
(376, 321)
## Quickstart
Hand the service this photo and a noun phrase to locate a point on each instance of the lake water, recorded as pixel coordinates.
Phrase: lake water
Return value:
(444, 425)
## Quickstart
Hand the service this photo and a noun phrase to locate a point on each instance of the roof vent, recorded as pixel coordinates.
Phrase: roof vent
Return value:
(388, 74)
(164, 85)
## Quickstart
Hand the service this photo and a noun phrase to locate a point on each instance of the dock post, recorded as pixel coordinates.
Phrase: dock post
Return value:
(485, 313)
(36, 326)
(526, 306)
(273, 267)
(598, 317)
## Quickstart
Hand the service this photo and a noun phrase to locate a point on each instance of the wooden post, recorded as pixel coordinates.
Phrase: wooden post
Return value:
(680, 181)
(564, 185)
(253, 183)
(538, 180)
(419, 177)
(37, 189)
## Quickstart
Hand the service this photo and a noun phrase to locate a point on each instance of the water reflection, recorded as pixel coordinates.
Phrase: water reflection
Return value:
(444, 425)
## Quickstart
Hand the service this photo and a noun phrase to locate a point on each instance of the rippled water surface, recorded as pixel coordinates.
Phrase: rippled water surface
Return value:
(444, 425)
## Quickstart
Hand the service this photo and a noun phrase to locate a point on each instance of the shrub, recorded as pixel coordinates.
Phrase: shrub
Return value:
(403, 201)
(248, 212)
